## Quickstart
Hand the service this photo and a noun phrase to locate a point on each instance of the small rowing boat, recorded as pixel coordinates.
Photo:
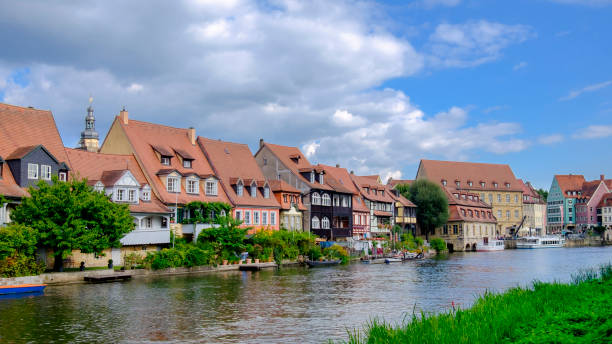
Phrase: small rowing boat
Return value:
(321, 263)
(22, 288)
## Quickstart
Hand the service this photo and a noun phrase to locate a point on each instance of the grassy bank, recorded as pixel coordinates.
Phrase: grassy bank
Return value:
(577, 312)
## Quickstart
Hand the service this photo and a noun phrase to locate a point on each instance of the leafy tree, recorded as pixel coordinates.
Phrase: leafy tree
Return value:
(17, 239)
(431, 202)
(227, 239)
(438, 244)
(543, 194)
(71, 216)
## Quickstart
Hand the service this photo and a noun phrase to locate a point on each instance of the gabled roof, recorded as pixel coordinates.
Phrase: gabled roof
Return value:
(143, 136)
(371, 182)
(234, 161)
(399, 198)
(108, 168)
(395, 182)
(282, 186)
(457, 204)
(606, 200)
(465, 172)
(571, 182)
(295, 161)
(528, 190)
(29, 127)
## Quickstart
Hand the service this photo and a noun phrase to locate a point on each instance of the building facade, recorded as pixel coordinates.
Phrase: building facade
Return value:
(534, 210)
(561, 203)
(378, 201)
(587, 202)
(291, 206)
(495, 184)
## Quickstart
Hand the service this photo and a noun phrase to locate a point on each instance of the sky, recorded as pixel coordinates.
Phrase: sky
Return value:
(372, 86)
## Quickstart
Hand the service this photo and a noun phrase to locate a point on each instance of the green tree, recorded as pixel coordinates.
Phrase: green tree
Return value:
(17, 239)
(431, 202)
(543, 194)
(71, 216)
(227, 239)
(439, 245)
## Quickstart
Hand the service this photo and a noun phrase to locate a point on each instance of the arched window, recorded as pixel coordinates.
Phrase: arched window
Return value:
(326, 199)
(325, 223)
(315, 222)
(316, 199)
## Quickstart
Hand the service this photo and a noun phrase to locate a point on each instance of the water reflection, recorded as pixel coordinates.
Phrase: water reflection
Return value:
(289, 305)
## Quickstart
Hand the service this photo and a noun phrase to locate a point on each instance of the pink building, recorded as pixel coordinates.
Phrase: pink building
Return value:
(590, 196)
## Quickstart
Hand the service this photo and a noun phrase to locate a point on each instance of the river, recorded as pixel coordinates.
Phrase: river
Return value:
(291, 305)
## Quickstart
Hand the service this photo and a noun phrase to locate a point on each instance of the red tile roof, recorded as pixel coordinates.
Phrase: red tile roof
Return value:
(394, 182)
(571, 182)
(459, 208)
(606, 200)
(295, 161)
(143, 136)
(108, 168)
(235, 160)
(371, 182)
(281, 185)
(465, 172)
(401, 199)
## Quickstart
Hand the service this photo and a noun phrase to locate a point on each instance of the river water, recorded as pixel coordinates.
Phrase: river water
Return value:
(291, 305)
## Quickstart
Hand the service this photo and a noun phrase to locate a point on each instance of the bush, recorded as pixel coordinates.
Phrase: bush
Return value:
(281, 244)
(166, 258)
(20, 265)
(315, 253)
(336, 252)
(195, 256)
(17, 239)
(132, 260)
(437, 244)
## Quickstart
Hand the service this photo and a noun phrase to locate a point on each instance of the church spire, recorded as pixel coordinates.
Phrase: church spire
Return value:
(89, 137)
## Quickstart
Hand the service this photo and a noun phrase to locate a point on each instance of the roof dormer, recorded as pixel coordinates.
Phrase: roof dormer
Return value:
(253, 189)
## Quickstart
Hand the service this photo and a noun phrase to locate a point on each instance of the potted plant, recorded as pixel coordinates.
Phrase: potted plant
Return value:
(256, 260)
(248, 260)
(110, 263)
(224, 261)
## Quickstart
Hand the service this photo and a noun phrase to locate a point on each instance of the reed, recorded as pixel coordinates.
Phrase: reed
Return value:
(575, 312)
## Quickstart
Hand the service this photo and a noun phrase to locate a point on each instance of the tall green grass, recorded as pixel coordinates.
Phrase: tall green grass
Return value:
(576, 312)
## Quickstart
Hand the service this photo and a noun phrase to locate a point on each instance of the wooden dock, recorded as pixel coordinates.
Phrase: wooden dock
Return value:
(256, 266)
(108, 278)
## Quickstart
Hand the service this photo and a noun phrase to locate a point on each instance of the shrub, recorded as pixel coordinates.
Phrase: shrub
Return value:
(195, 256)
(17, 239)
(132, 260)
(437, 244)
(166, 258)
(20, 265)
(337, 252)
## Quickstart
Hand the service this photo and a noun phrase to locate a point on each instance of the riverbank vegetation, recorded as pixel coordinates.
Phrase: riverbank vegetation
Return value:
(576, 312)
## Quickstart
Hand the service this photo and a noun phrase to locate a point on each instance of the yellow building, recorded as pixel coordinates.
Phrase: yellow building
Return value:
(494, 183)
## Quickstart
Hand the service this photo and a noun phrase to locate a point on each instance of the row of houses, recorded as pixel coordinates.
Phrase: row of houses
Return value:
(575, 204)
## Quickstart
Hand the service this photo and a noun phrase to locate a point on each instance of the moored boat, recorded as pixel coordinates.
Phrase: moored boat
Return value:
(393, 260)
(321, 263)
(490, 245)
(22, 288)
(550, 241)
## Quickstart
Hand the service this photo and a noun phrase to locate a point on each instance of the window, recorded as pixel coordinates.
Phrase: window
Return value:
(345, 201)
(499, 214)
(172, 184)
(445, 230)
(326, 200)
(187, 163)
(508, 198)
(495, 185)
(247, 217)
(45, 172)
(285, 198)
(499, 197)
(146, 194)
(515, 198)
(164, 222)
(336, 200)
(120, 194)
(238, 215)
(131, 195)
(321, 178)
(516, 214)
(508, 214)
(165, 160)
(211, 188)
(253, 190)
(458, 183)
(312, 177)
(482, 184)
(264, 218)
(316, 199)
(255, 217)
(62, 176)
(315, 222)
(32, 171)
(508, 185)
(272, 218)
(325, 223)
(444, 182)
(193, 186)
(455, 229)
(266, 191)
(148, 222)
(239, 188)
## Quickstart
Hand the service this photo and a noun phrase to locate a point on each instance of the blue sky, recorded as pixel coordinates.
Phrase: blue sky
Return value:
(374, 86)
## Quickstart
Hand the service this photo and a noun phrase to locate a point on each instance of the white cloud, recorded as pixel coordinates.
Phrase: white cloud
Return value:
(550, 139)
(344, 118)
(591, 88)
(473, 43)
(594, 132)
(395, 174)
(310, 149)
(134, 88)
(521, 65)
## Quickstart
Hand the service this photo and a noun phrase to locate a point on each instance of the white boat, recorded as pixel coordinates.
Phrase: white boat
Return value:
(550, 241)
(393, 260)
(490, 245)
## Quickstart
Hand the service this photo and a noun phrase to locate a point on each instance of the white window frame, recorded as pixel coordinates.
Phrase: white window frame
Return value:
(211, 188)
(146, 193)
(62, 176)
(326, 201)
(316, 224)
(253, 190)
(256, 216)
(316, 198)
(321, 178)
(312, 177)
(247, 217)
(45, 172)
(325, 223)
(120, 194)
(238, 215)
(239, 188)
(187, 163)
(192, 186)
(165, 160)
(264, 218)
(148, 222)
(32, 171)
(266, 191)
(132, 195)
(273, 218)
(176, 181)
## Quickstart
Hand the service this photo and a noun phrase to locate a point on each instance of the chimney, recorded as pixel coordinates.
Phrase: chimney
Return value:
(124, 115)
(602, 177)
(261, 143)
(352, 172)
(192, 136)
(338, 165)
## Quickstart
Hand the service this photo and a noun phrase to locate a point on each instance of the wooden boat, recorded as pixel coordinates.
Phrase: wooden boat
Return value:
(316, 263)
(393, 260)
(22, 288)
